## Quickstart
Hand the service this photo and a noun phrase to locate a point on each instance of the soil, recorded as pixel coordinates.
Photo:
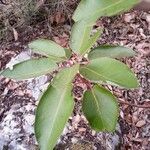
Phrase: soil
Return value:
(18, 100)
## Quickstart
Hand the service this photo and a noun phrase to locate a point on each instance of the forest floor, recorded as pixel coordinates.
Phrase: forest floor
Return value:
(18, 100)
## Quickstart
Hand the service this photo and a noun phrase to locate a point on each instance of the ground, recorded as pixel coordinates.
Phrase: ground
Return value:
(18, 100)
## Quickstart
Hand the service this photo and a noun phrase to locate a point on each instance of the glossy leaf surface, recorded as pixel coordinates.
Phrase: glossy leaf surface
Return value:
(90, 42)
(110, 51)
(80, 36)
(47, 48)
(30, 69)
(100, 108)
(111, 70)
(54, 109)
(88, 9)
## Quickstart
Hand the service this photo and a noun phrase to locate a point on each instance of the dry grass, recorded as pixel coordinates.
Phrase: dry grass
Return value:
(61, 5)
(19, 13)
(15, 13)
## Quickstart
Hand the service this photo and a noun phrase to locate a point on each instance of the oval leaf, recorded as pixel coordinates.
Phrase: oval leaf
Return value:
(80, 34)
(108, 69)
(30, 69)
(101, 109)
(88, 9)
(90, 42)
(110, 51)
(54, 109)
(47, 48)
(81, 41)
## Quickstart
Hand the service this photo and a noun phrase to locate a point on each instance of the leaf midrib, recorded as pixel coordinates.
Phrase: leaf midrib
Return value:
(101, 75)
(52, 56)
(59, 105)
(97, 106)
(90, 42)
(33, 74)
(57, 112)
(81, 43)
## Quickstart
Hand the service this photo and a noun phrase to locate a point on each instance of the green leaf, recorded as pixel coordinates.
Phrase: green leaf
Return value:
(30, 69)
(88, 9)
(80, 35)
(110, 51)
(101, 109)
(65, 76)
(47, 48)
(89, 43)
(111, 71)
(68, 53)
(54, 109)
(81, 41)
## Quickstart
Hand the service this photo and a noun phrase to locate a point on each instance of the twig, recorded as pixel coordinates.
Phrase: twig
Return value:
(134, 105)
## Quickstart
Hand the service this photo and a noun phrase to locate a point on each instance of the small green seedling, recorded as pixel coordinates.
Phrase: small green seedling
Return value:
(96, 66)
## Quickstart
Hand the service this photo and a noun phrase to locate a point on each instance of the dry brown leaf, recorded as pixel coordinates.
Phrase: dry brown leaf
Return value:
(82, 129)
(134, 119)
(140, 123)
(59, 17)
(63, 41)
(128, 17)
